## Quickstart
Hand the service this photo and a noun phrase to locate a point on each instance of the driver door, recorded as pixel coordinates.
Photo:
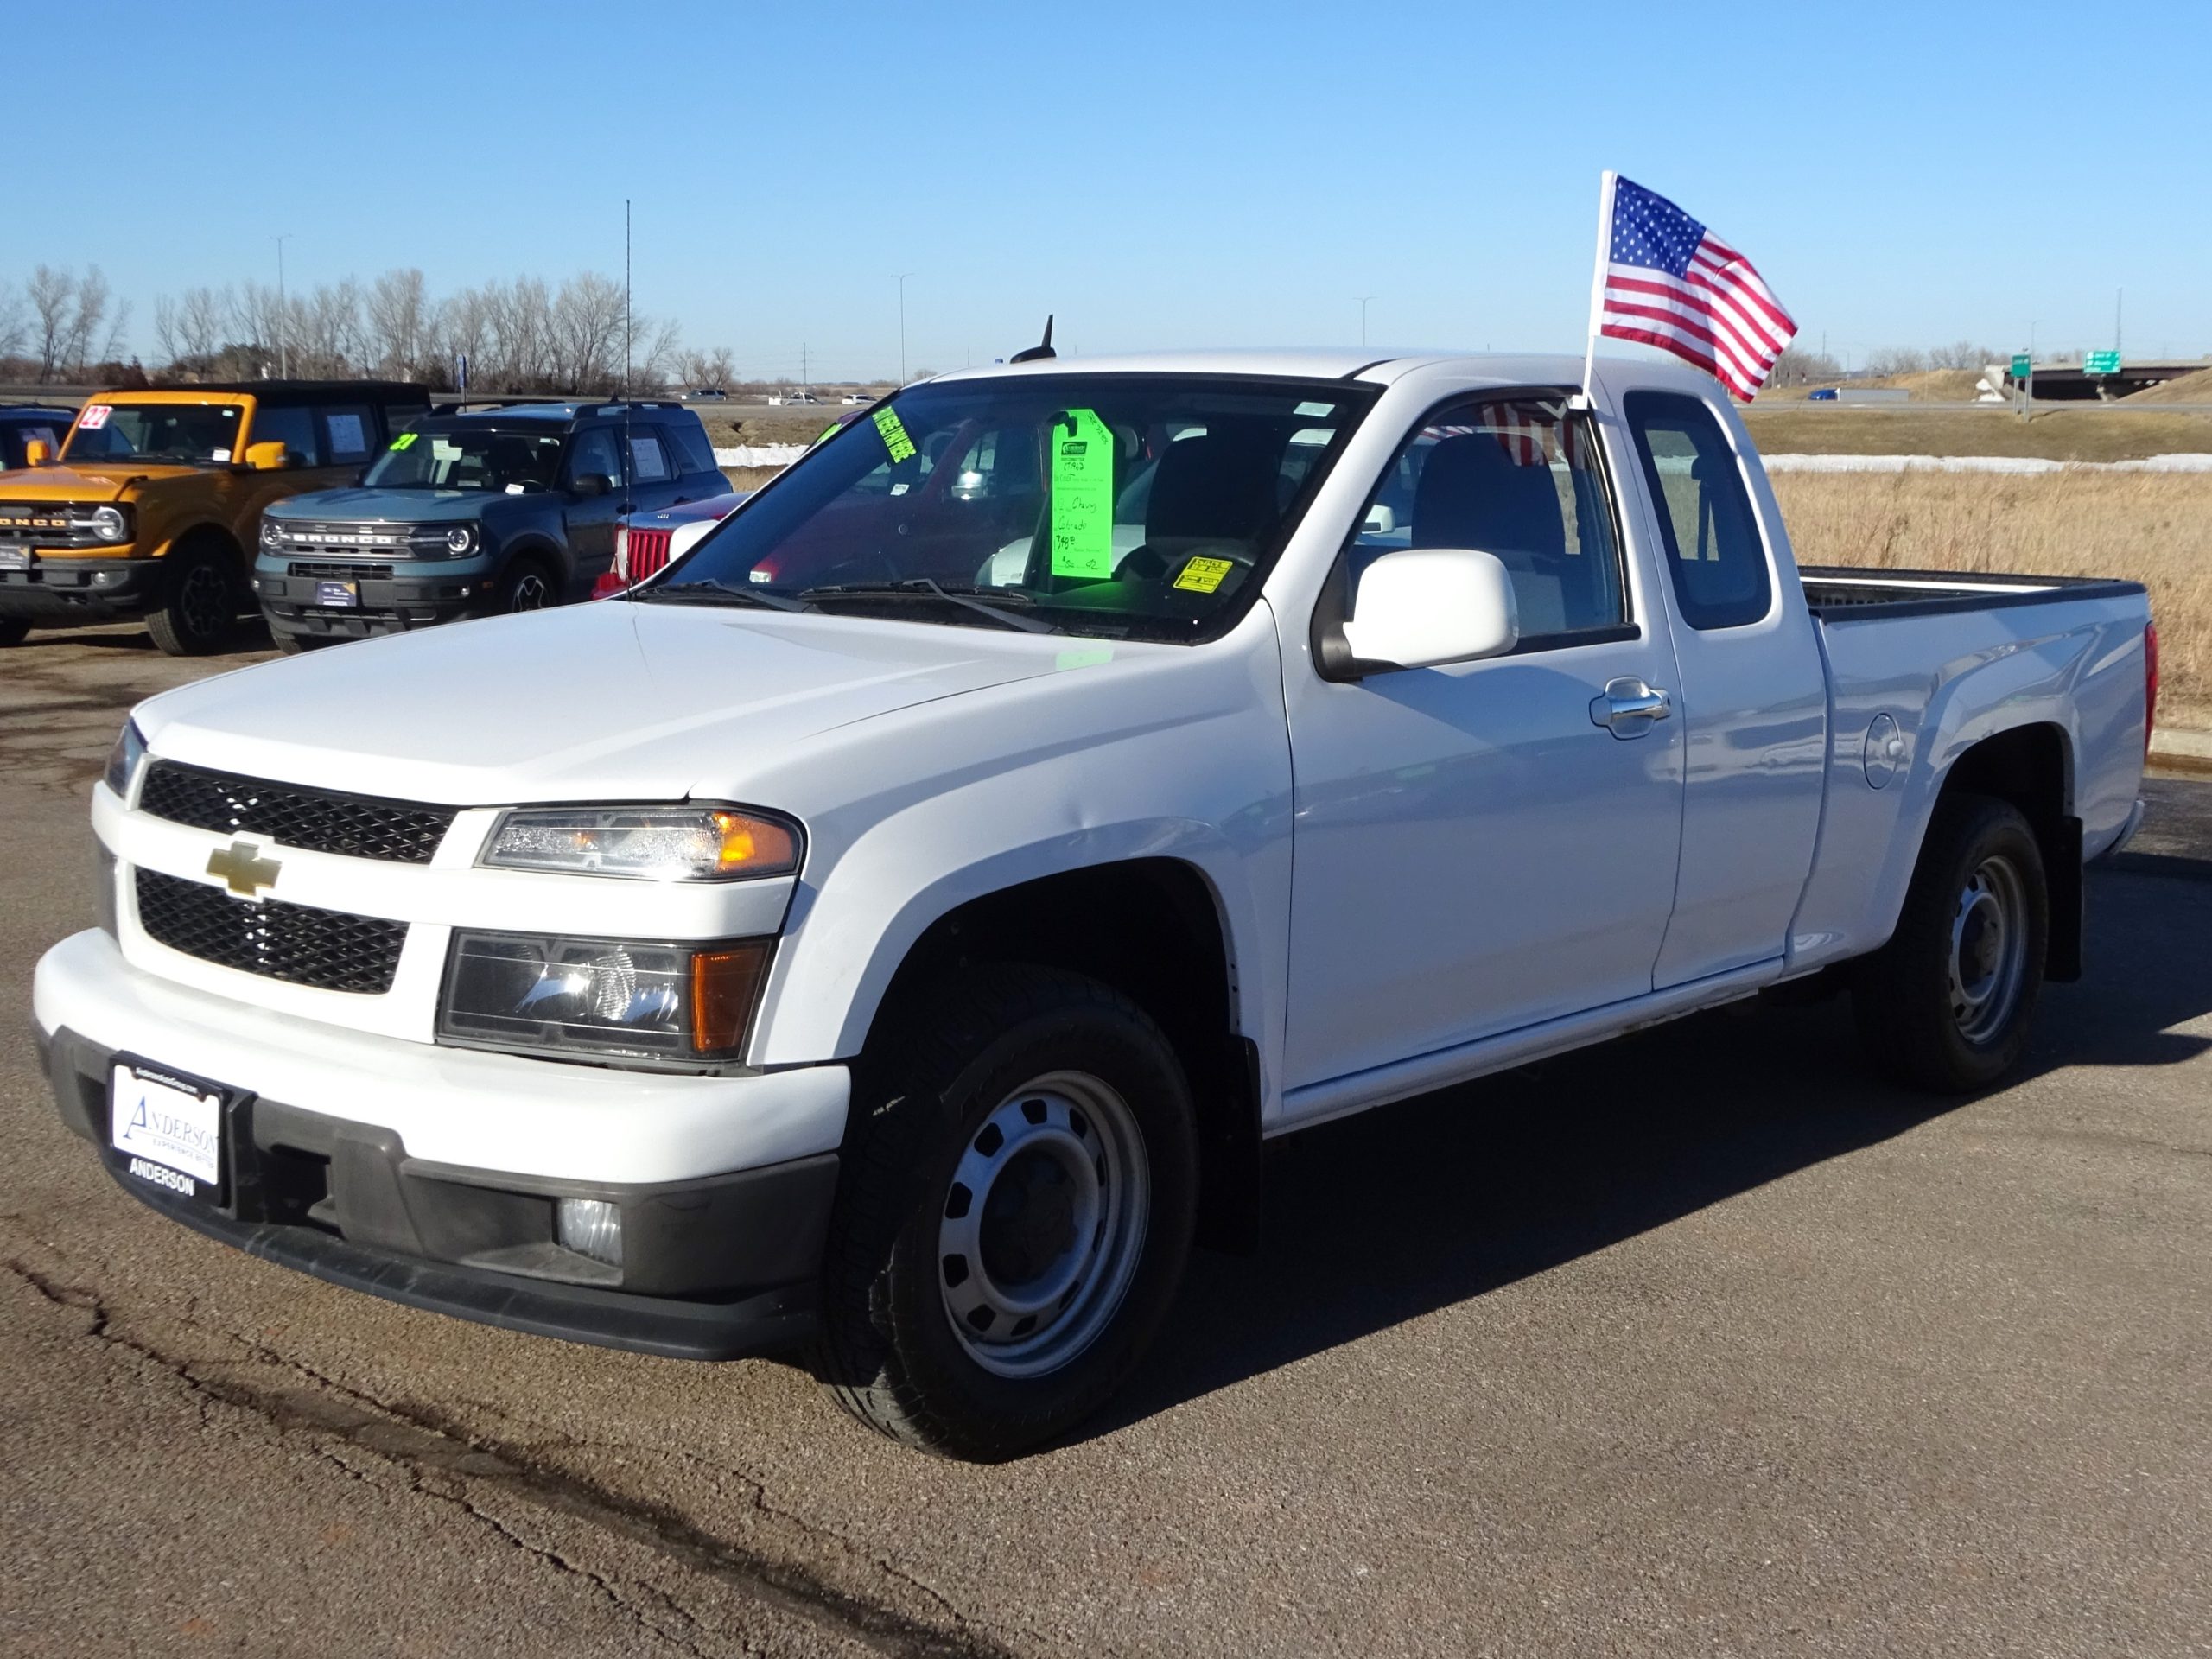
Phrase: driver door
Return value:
(590, 518)
(1485, 846)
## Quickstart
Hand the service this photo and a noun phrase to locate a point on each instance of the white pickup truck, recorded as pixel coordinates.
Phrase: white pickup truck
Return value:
(897, 926)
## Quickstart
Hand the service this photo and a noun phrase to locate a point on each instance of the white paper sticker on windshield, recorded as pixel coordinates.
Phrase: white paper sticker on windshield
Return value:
(95, 415)
(219, 455)
(514, 489)
(1313, 411)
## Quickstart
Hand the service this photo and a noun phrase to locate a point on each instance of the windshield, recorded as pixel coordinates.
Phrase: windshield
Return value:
(472, 458)
(1129, 505)
(196, 434)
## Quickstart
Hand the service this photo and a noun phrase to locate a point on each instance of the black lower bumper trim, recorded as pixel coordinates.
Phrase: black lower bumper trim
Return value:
(760, 1324)
(717, 1267)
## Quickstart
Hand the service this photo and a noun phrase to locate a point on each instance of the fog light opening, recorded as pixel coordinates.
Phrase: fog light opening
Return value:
(590, 1227)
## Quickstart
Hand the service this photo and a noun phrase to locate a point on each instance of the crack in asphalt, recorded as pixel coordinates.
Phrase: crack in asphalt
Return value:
(442, 1459)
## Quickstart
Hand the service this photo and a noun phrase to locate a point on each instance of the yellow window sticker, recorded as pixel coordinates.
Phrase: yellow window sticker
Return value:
(894, 434)
(1083, 496)
(404, 439)
(1203, 575)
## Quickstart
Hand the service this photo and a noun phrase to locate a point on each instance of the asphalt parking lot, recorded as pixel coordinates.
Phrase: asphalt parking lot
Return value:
(1704, 1342)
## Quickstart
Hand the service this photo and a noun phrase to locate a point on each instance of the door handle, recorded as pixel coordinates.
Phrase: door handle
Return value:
(1628, 707)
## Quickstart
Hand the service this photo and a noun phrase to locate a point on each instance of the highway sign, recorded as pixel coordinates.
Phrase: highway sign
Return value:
(2101, 363)
(2020, 363)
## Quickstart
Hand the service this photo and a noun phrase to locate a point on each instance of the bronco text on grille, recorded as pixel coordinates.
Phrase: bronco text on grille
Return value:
(301, 945)
(356, 826)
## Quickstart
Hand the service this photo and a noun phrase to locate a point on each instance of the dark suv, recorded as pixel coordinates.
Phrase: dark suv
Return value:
(471, 515)
(24, 424)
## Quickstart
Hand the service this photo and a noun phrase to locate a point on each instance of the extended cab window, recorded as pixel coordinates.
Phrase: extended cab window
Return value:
(595, 452)
(690, 439)
(1714, 549)
(1517, 478)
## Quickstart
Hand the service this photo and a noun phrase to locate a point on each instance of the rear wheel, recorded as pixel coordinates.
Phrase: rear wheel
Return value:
(1013, 1217)
(1946, 1004)
(201, 600)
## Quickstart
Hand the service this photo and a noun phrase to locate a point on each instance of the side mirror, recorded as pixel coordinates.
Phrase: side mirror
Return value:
(270, 457)
(37, 452)
(592, 484)
(1420, 606)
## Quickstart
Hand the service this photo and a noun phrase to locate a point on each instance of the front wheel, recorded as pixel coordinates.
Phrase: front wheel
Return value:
(526, 585)
(12, 631)
(1019, 1193)
(200, 601)
(1946, 1004)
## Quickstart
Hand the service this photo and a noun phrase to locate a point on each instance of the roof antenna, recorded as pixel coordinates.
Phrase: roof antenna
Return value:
(1041, 350)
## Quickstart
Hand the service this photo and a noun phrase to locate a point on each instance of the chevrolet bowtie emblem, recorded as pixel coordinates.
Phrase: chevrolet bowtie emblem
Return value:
(245, 871)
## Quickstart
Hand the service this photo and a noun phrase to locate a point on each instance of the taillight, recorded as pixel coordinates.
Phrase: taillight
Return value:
(609, 584)
(2150, 682)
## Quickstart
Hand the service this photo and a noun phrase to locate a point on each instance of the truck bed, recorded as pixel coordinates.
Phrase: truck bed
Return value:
(1840, 593)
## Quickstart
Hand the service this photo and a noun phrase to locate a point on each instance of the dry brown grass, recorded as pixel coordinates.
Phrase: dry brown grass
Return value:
(2083, 432)
(2185, 389)
(2148, 527)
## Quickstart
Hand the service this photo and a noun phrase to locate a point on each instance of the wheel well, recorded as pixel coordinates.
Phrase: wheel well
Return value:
(1151, 929)
(214, 536)
(2031, 767)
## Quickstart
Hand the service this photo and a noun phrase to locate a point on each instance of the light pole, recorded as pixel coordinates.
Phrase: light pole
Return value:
(901, 277)
(1364, 299)
(284, 316)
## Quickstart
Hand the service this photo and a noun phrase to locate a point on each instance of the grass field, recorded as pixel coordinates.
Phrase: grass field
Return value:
(2151, 528)
(2109, 432)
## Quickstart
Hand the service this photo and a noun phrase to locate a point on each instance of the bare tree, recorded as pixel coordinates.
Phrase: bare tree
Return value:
(50, 293)
(399, 316)
(694, 369)
(587, 319)
(1799, 367)
(15, 323)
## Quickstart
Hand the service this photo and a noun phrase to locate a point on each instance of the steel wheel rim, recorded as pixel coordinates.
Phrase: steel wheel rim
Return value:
(1043, 1224)
(529, 592)
(199, 599)
(1989, 949)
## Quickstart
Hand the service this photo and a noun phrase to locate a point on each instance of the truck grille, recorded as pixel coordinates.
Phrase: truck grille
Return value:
(356, 826)
(647, 552)
(297, 944)
(45, 525)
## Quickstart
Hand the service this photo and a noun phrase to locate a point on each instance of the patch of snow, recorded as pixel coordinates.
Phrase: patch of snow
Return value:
(759, 454)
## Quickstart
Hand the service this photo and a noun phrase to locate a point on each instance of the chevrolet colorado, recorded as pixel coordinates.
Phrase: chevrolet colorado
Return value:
(1053, 786)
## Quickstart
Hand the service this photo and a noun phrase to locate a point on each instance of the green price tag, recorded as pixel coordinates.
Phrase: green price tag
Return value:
(826, 433)
(894, 434)
(1083, 496)
(402, 439)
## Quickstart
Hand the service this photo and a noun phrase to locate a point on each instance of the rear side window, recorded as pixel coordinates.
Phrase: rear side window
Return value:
(1714, 550)
(349, 432)
(648, 461)
(1517, 478)
(690, 439)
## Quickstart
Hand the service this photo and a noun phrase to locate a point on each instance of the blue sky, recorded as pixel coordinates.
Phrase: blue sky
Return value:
(1158, 175)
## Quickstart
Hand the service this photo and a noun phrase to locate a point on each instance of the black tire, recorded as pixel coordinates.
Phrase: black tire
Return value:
(1946, 1004)
(201, 600)
(528, 583)
(1001, 1041)
(12, 631)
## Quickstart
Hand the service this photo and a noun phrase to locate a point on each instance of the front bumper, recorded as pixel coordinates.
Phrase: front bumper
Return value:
(57, 591)
(346, 1156)
(383, 600)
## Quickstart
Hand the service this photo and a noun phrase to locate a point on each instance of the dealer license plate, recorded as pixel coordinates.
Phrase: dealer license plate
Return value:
(15, 558)
(169, 1128)
(338, 593)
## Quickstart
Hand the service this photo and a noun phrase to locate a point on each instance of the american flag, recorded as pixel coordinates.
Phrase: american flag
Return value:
(1672, 284)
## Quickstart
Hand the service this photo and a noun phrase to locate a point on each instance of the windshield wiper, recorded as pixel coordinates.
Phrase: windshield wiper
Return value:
(714, 591)
(924, 588)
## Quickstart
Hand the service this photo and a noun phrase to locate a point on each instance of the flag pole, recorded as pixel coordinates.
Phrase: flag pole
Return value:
(1597, 279)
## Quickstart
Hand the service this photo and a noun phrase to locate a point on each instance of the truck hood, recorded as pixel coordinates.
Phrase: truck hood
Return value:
(390, 506)
(87, 483)
(607, 702)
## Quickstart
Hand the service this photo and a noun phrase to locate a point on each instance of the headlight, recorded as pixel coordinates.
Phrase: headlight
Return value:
(124, 759)
(270, 535)
(460, 538)
(673, 843)
(647, 999)
(109, 524)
